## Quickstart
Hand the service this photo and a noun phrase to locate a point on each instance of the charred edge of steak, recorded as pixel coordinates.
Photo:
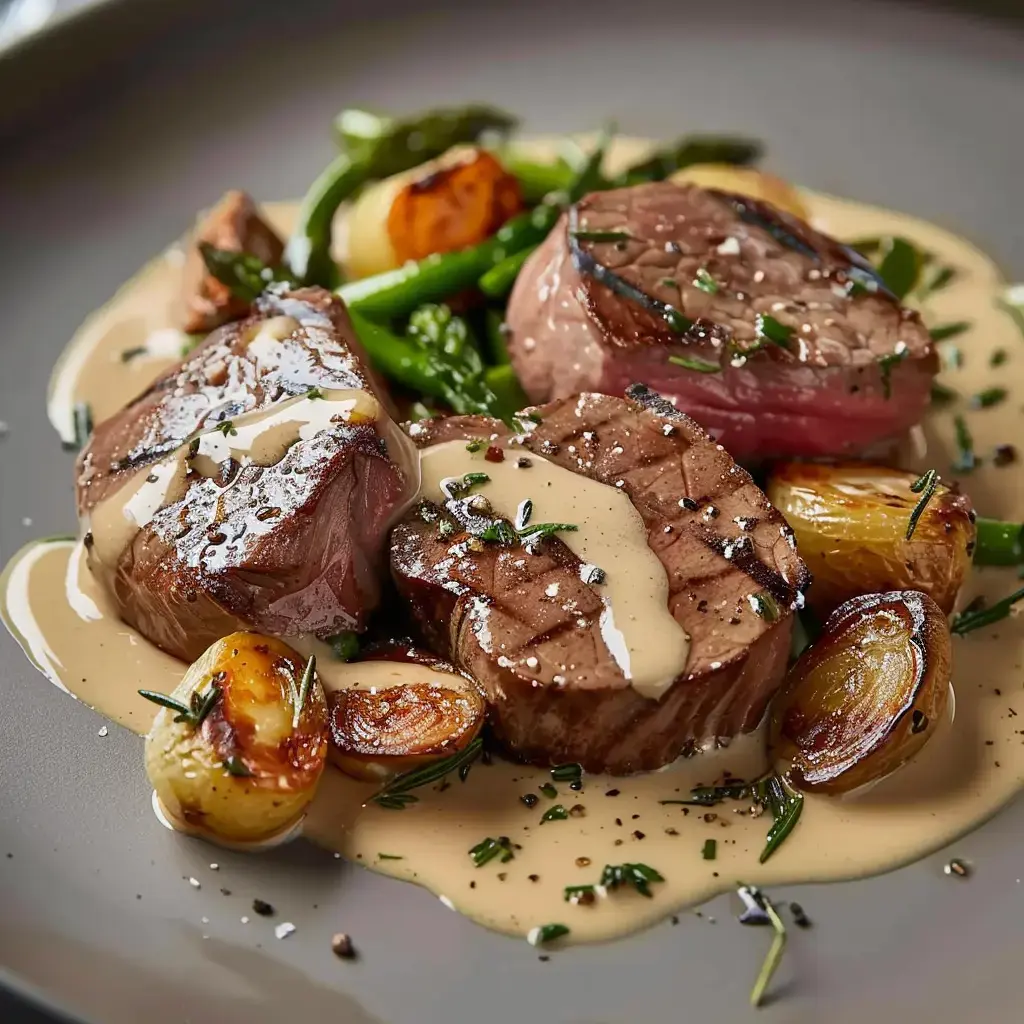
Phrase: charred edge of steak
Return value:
(742, 554)
(791, 232)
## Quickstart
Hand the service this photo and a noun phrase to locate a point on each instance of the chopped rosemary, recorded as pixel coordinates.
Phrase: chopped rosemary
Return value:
(942, 277)
(571, 772)
(554, 813)
(395, 794)
(390, 856)
(708, 796)
(639, 876)
(234, 765)
(886, 364)
(487, 849)
(943, 395)
(989, 397)
(945, 331)
(766, 606)
(704, 281)
(601, 236)
(538, 530)
(966, 460)
(194, 712)
(786, 805)
(545, 933)
(968, 621)
(344, 646)
(998, 357)
(925, 486)
(305, 685)
(770, 328)
(548, 790)
(710, 849)
(579, 893)
(697, 365)
(775, 951)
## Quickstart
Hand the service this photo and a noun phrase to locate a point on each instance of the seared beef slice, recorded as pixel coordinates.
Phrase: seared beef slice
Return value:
(556, 693)
(286, 536)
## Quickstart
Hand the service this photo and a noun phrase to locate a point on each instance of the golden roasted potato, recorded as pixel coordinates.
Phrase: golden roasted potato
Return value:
(447, 204)
(237, 750)
(867, 695)
(746, 181)
(376, 735)
(851, 522)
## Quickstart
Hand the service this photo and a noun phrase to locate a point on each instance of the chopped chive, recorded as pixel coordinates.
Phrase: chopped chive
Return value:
(966, 460)
(390, 856)
(486, 850)
(710, 850)
(128, 354)
(639, 876)
(705, 282)
(554, 813)
(236, 766)
(998, 543)
(989, 397)
(545, 933)
(548, 790)
(770, 328)
(946, 331)
(579, 893)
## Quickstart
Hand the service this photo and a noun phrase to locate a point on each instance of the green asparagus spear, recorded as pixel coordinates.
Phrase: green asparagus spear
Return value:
(999, 543)
(691, 149)
(498, 281)
(246, 276)
(497, 347)
(376, 147)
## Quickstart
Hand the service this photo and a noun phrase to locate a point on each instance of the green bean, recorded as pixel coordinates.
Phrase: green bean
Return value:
(537, 180)
(396, 293)
(376, 147)
(498, 281)
(504, 384)
(497, 347)
(691, 149)
(998, 543)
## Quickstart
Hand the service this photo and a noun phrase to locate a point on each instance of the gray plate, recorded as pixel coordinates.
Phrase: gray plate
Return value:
(919, 110)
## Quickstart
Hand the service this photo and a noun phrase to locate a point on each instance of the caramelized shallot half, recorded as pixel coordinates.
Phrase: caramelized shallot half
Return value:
(447, 204)
(851, 523)
(238, 749)
(378, 734)
(867, 695)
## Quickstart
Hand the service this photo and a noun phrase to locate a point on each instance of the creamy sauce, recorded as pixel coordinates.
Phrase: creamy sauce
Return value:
(644, 640)
(971, 767)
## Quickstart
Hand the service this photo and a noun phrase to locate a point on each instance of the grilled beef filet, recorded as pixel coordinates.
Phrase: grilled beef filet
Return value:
(525, 621)
(230, 495)
(234, 225)
(791, 344)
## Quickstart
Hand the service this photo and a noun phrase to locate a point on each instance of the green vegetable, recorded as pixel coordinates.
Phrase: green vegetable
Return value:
(375, 147)
(693, 149)
(901, 266)
(486, 850)
(999, 543)
(546, 933)
(548, 790)
(786, 806)
(498, 281)
(886, 364)
(344, 646)
(570, 772)
(710, 849)
(944, 331)
(495, 333)
(942, 395)
(942, 277)
(966, 460)
(705, 282)
(554, 813)
(770, 328)
(696, 365)
(968, 621)
(247, 276)
(538, 180)
(639, 876)
(989, 397)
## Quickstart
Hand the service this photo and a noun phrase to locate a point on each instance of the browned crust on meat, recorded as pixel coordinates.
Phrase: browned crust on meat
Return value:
(235, 225)
(737, 658)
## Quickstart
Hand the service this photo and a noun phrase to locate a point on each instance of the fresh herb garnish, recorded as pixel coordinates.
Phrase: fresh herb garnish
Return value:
(503, 533)
(966, 460)
(226, 428)
(344, 646)
(456, 488)
(998, 543)
(390, 856)
(555, 813)
(548, 790)
(546, 933)
(81, 424)
(539, 530)
(786, 804)
(766, 606)
(1011, 302)
(968, 621)
(775, 951)
(770, 328)
(128, 354)
(395, 794)
(314, 393)
(943, 395)
(234, 765)
(487, 849)
(886, 364)
(710, 849)
(571, 772)
(942, 277)
(704, 281)
(639, 876)
(601, 236)
(194, 712)
(305, 685)
(998, 357)
(475, 446)
(925, 486)
(901, 266)
(697, 365)
(989, 397)
(952, 357)
(708, 796)
(945, 331)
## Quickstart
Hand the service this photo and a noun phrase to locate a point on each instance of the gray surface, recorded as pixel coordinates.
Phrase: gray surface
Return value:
(922, 113)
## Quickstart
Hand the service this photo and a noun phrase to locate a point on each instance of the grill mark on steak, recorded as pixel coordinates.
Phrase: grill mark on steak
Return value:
(489, 615)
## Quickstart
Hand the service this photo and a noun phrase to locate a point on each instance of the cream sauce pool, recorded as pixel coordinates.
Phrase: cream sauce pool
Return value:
(971, 767)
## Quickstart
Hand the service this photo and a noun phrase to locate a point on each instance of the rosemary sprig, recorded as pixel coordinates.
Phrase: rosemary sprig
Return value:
(708, 796)
(925, 486)
(786, 805)
(487, 849)
(639, 876)
(194, 712)
(305, 685)
(504, 533)
(968, 621)
(775, 951)
(394, 795)
(885, 366)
